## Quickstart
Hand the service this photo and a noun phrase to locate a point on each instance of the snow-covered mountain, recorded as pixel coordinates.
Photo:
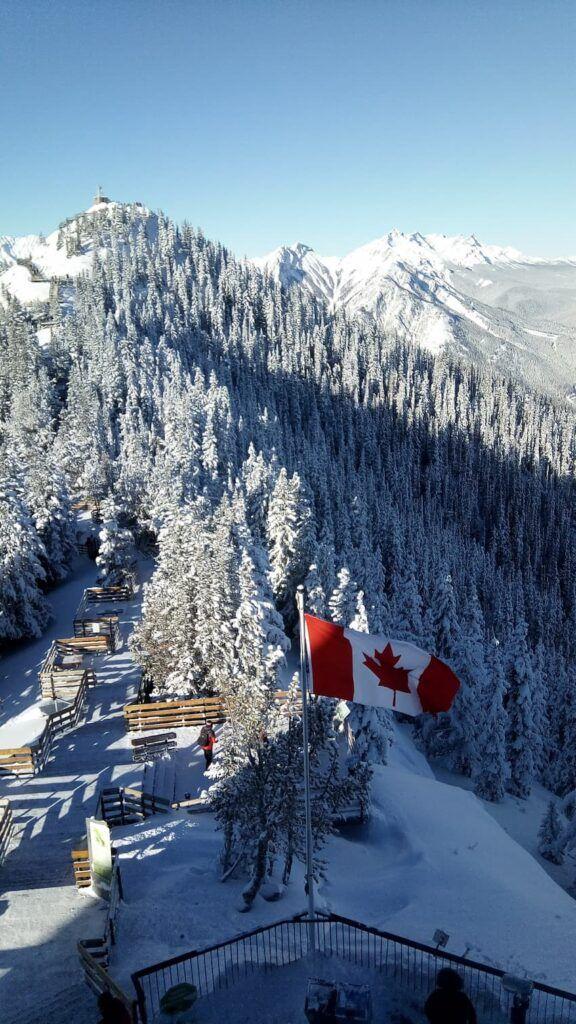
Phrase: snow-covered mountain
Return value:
(493, 305)
(40, 271)
(489, 304)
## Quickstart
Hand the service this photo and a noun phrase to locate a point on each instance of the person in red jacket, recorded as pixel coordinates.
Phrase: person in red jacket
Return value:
(449, 1004)
(206, 740)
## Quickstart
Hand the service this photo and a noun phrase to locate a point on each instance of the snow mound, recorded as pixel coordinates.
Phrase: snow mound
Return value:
(433, 857)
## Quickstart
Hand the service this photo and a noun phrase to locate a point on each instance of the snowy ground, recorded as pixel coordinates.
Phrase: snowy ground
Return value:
(521, 819)
(19, 668)
(431, 857)
(277, 996)
(42, 914)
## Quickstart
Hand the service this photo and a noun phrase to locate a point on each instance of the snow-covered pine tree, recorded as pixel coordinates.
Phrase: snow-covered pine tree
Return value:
(377, 604)
(520, 712)
(290, 531)
(491, 772)
(406, 606)
(116, 557)
(342, 603)
(444, 623)
(551, 835)
(436, 733)
(260, 645)
(316, 603)
(164, 641)
(24, 611)
(468, 709)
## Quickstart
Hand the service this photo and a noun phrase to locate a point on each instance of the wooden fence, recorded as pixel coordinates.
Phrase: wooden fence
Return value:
(120, 805)
(92, 623)
(95, 953)
(81, 864)
(30, 760)
(122, 592)
(59, 677)
(94, 643)
(174, 714)
(6, 827)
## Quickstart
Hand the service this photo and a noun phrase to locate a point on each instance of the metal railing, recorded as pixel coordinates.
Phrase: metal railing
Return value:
(410, 965)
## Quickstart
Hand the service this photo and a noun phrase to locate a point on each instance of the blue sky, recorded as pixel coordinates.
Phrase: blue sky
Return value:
(271, 121)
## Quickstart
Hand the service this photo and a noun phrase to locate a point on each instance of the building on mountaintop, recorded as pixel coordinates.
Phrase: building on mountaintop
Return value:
(99, 198)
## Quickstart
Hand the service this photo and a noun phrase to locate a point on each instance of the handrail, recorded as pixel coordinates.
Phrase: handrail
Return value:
(410, 963)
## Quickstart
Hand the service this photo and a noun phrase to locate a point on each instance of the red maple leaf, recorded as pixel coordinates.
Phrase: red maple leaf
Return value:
(383, 665)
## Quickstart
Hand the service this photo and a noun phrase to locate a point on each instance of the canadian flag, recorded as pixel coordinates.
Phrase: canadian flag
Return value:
(376, 670)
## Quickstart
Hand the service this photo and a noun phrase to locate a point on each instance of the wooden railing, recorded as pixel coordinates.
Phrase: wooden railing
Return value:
(171, 714)
(30, 760)
(121, 805)
(95, 953)
(122, 592)
(174, 714)
(6, 827)
(94, 643)
(96, 977)
(59, 681)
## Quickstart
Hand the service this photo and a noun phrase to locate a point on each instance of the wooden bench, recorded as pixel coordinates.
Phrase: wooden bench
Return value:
(173, 714)
(145, 747)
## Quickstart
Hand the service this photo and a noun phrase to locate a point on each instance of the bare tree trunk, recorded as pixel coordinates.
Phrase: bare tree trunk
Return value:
(259, 872)
(288, 864)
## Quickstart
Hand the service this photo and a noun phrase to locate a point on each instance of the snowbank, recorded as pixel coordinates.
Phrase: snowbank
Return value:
(430, 857)
(23, 729)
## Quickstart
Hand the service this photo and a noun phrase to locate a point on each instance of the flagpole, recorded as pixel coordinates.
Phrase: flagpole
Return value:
(305, 743)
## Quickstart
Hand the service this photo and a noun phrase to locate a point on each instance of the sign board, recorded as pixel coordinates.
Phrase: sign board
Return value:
(100, 852)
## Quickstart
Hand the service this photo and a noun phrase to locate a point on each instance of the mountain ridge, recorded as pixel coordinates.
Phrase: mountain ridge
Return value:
(491, 304)
(451, 294)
